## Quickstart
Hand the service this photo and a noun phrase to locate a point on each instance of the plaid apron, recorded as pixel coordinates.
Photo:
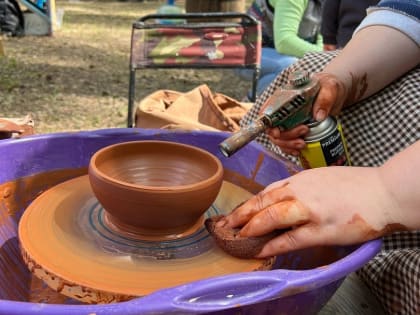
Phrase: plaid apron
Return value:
(375, 129)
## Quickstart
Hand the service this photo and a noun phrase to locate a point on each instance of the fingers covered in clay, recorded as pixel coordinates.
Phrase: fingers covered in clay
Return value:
(278, 216)
(359, 210)
(271, 195)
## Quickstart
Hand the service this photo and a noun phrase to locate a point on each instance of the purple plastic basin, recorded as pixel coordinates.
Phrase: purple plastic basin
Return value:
(301, 283)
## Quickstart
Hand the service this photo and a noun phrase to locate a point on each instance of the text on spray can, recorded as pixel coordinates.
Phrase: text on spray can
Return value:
(325, 145)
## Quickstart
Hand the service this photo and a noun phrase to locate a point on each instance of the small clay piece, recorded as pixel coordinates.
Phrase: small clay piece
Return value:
(232, 243)
(16, 127)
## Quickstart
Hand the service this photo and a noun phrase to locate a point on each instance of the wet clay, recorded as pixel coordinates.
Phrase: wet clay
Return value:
(92, 273)
(368, 232)
(16, 195)
(41, 293)
(155, 187)
(232, 243)
(16, 127)
(242, 181)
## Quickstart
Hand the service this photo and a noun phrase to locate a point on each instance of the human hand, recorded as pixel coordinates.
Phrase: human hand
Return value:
(322, 206)
(329, 47)
(330, 100)
(290, 141)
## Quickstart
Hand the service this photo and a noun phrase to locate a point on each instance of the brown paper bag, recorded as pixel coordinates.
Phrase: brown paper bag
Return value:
(198, 109)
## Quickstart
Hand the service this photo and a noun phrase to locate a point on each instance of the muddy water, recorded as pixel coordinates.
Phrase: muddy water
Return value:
(15, 196)
(39, 292)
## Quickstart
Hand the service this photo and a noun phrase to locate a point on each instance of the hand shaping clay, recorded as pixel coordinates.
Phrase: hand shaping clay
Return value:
(232, 243)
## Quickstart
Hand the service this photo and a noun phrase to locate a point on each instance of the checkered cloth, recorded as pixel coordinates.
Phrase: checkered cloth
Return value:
(375, 129)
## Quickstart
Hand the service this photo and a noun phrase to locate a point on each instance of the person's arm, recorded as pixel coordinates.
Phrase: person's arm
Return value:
(378, 53)
(402, 181)
(329, 23)
(368, 63)
(287, 17)
(334, 205)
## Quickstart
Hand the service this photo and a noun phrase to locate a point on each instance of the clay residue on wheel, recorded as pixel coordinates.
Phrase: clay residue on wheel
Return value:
(232, 243)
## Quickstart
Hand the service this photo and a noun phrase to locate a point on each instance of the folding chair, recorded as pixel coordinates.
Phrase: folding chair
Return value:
(203, 40)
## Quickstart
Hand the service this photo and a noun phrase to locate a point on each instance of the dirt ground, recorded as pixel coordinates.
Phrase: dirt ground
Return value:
(77, 79)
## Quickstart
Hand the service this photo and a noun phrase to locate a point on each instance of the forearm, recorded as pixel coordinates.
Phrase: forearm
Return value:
(401, 179)
(390, 55)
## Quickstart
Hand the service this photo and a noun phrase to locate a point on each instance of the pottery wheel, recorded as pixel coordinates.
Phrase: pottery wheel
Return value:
(66, 242)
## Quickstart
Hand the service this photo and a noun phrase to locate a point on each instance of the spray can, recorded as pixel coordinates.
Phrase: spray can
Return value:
(325, 145)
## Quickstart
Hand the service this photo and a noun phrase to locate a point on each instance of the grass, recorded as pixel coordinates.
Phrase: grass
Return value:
(77, 79)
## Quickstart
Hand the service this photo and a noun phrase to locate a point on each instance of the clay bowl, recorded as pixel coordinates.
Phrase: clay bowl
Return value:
(155, 188)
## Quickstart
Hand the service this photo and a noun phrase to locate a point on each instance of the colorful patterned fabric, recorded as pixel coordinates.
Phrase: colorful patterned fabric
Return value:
(196, 44)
